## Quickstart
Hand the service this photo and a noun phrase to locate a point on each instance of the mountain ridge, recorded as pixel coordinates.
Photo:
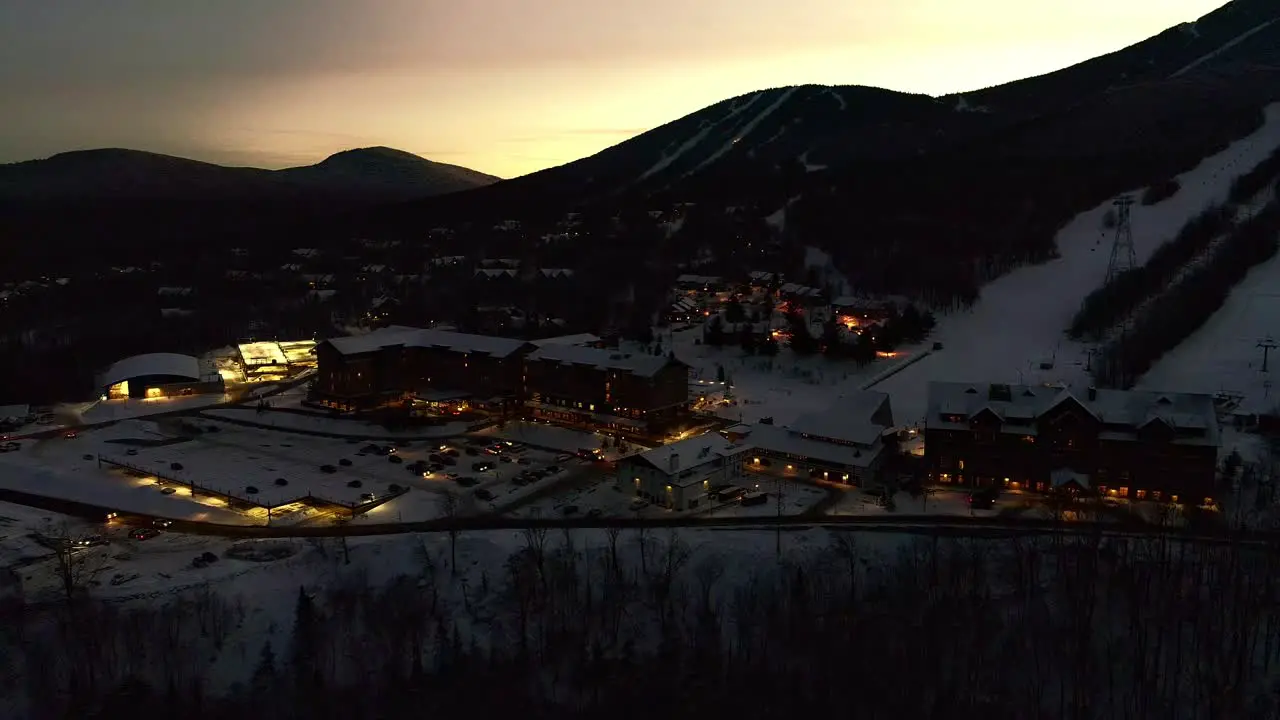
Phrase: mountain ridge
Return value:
(368, 174)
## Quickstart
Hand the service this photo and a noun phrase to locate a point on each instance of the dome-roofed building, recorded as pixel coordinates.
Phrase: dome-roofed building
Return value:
(156, 375)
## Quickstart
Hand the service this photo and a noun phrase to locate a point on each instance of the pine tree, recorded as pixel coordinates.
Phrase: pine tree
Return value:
(305, 661)
(264, 676)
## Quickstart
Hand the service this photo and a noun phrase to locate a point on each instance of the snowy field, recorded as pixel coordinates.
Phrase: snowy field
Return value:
(783, 387)
(318, 423)
(1020, 319)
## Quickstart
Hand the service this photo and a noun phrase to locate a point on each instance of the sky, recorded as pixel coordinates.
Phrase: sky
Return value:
(506, 87)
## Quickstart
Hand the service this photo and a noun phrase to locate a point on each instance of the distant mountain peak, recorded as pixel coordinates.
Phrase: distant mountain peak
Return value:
(377, 152)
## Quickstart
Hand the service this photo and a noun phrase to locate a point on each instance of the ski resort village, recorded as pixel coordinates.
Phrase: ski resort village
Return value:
(711, 421)
(749, 397)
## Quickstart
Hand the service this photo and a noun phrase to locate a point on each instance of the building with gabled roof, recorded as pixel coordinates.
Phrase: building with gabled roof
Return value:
(683, 475)
(1140, 445)
(843, 442)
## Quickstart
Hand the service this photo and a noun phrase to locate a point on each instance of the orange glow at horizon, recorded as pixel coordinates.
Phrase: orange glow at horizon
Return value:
(499, 86)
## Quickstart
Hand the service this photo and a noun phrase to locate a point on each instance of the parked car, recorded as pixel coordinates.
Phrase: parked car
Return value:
(446, 460)
(366, 497)
(450, 452)
(345, 462)
(524, 461)
(435, 457)
(161, 522)
(395, 459)
(168, 491)
(504, 458)
(466, 481)
(553, 469)
(330, 469)
(484, 494)
(983, 499)
(144, 533)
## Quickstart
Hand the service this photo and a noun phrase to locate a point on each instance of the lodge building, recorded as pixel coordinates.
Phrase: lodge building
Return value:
(622, 392)
(1130, 444)
(394, 364)
(565, 380)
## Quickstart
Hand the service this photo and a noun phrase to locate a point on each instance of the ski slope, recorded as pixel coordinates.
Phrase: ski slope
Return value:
(1019, 321)
(1224, 355)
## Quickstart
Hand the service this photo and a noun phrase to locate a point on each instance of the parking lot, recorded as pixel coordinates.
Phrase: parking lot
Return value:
(273, 469)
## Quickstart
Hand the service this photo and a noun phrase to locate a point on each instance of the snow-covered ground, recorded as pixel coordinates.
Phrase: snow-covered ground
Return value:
(552, 437)
(783, 387)
(1224, 354)
(1020, 319)
(265, 591)
(319, 423)
(69, 469)
(107, 410)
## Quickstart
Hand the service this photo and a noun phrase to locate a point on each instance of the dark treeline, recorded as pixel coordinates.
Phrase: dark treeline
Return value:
(1105, 307)
(1177, 313)
(1253, 182)
(642, 625)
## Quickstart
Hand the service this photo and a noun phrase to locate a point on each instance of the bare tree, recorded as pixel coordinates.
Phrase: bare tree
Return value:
(448, 503)
(78, 562)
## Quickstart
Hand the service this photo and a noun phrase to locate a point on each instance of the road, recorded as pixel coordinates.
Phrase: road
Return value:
(990, 527)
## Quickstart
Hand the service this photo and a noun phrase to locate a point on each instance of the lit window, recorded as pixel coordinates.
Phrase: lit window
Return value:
(961, 464)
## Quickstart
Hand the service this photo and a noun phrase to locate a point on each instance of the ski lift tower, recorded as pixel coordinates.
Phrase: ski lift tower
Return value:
(1123, 257)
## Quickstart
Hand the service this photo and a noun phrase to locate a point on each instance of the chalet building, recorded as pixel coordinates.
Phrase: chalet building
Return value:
(863, 310)
(703, 283)
(393, 364)
(630, 393)
(803, 294)
(682, 475)
(843, 443)
(1128, 444)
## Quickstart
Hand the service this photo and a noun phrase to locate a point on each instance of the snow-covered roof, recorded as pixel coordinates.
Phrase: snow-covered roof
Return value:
(579, 339)
(780, 440)
(167, 364)
(847, 420)
(641, 364)
(557, 272)
(849, 301)
(14, 412)
(1121, 412)
(495, 272)
(1065, 476)
(423, 338)
(698, 280)
(687, 455)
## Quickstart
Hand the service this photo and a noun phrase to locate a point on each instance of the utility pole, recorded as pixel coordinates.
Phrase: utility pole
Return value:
(777, 501)
(1267, 345)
